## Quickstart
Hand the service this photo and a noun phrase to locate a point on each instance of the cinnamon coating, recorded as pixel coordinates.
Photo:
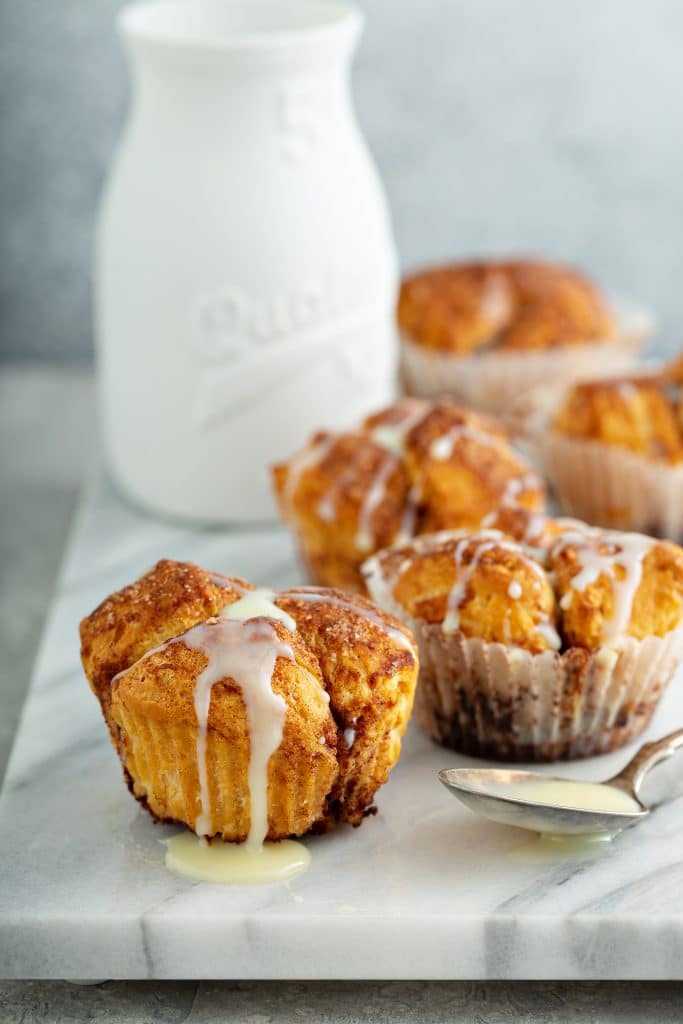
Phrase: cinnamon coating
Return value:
(170, 598)
(347, 688)
(513, 305)
(413, 468)
(641, 414)
(568, 586)
(631, 585)
(484, 585)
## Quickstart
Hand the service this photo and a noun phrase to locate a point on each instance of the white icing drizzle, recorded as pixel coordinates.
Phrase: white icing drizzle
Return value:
(534, 528)
(633, 549)
(349, 737)
(489, 540)
(392, 436)
(626, 390)
(547, 631)
(442, 447)
(256, 604)
(516, 486)
(226, 582)
(365, 535)
(407, 528)
(508, 499)
(496, 300)
(245, 652)
(305, 459)
(321, 596)
(327, 505)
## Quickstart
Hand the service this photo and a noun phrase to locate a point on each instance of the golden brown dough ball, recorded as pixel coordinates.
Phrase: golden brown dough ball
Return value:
(413, 468)
(153, 707)
(345, 671)
(456, 308)
(168, 599)
(483, 585)
(331, 502)
(554, 306)
(632, 413)
(463, 467)
(610, 585)
(512, 305)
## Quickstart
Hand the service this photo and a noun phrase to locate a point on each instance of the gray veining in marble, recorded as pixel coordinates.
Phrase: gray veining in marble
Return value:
(422, 890)
(42, 471)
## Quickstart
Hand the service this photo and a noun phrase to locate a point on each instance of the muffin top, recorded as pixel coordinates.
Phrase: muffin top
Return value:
(413, 468)
(338, 672)
(518, 305)
(643, 414)
(552, 585)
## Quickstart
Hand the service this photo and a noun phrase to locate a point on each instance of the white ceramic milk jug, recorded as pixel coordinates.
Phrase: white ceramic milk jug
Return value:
(245, 268)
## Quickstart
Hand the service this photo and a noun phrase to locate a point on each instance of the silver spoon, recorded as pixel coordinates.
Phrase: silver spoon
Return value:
(483, 791)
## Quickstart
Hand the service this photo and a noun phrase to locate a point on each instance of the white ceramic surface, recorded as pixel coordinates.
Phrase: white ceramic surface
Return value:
(423, 890)
(245, 267)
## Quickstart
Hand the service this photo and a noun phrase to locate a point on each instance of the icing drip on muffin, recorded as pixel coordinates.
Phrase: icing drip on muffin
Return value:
(414, 468)
(578, 586)
(322, 596)
(443, 447)
(392, 436)
(306, 459)
(477, 547)
(246, 652)
(228, 706)
(255, 604)
(365, 535)
(621, 563)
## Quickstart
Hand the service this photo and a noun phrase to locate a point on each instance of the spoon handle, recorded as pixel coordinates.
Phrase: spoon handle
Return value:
(631, 777)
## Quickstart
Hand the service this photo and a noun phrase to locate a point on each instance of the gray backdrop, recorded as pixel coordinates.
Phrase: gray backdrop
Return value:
(552, 126)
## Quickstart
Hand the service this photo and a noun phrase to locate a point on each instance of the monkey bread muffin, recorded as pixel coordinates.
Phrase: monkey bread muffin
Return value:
(554, 642)
(614, 452)
(247, 714)
(504, 336)
(413, 468)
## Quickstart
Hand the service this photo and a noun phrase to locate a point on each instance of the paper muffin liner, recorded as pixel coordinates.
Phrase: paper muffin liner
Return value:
(613, 487)
(508, 704)
(160, 762)
(493, 701)
(518, 384)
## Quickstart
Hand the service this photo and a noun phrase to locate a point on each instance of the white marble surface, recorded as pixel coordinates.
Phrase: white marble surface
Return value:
(423, 890)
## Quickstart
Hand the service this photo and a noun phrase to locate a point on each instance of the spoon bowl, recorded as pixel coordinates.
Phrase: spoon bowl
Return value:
(495, 793)
(557, 806)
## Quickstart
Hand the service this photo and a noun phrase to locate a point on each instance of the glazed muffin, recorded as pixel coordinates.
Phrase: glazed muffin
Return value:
(413, 468)
(247, 714)
(614, 452)
(504, 336)
(554, 643)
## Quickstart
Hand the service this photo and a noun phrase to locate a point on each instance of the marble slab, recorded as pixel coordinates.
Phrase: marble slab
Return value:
(422, 890)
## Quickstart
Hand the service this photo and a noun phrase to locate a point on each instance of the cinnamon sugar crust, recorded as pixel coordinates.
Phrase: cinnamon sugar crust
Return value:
(412, 468)
(641, 413)
(571, 585)
(348, 692)
(509, 305)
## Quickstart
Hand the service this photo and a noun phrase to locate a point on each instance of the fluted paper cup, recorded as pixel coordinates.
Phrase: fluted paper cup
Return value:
(493, 701)
(506, 703)
(611, 486)
(518, 384)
